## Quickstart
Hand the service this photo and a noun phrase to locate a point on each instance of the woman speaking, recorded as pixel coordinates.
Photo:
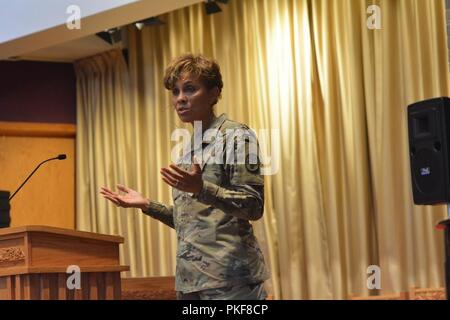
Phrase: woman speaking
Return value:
(215, 195)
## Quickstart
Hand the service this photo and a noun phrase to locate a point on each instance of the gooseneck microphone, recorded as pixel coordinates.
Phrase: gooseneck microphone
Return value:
(59, 157)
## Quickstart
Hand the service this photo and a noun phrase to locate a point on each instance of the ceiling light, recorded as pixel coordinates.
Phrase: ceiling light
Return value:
(212, 7)
(111, 36)
(153, 21)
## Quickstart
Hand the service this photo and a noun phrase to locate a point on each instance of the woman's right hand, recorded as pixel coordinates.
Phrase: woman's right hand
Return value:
(129, 199)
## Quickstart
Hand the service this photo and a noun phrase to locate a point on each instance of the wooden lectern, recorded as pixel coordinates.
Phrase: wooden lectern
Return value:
(34, 263)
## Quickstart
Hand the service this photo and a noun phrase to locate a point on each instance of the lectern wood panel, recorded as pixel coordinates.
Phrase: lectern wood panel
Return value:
(34, 263)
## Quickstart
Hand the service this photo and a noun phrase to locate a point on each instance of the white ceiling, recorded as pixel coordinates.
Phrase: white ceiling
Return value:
(69, 51)
(63, 45)
(20, 18)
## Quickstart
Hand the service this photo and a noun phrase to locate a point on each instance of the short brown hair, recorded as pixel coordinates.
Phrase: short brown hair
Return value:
(206, 69)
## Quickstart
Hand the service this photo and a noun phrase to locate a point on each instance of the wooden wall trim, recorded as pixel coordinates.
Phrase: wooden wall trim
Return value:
(54, 206)
(32, 129)
(151, 288)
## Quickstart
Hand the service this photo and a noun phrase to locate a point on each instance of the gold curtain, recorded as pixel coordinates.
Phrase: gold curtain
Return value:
(109, 151)
(333, 95)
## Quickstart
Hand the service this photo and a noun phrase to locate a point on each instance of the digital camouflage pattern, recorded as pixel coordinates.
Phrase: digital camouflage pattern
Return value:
(216, 244)
(248, 291)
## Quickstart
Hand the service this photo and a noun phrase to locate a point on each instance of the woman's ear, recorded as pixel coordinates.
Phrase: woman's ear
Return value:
(214, 95)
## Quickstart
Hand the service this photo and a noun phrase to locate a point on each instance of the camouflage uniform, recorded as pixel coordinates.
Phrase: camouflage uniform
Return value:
(248, 291)
(216, 245)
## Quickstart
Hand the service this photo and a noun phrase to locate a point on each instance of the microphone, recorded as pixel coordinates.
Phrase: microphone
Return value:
(59, 157)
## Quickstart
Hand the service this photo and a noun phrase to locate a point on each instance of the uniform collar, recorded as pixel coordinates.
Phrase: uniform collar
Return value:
(216, 124)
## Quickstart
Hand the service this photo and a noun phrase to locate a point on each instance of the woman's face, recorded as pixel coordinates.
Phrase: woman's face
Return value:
(192, 100)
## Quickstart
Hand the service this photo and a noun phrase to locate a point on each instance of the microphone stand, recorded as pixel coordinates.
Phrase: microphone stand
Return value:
(60, 157)
(5, 218)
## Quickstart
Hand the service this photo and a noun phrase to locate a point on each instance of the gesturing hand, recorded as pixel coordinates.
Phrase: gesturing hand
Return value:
(129, 199)
(187, 181)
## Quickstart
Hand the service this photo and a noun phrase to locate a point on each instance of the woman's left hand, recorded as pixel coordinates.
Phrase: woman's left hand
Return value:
(183, 180)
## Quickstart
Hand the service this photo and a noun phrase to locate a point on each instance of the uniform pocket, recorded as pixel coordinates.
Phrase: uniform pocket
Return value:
(213, 173)
(199, 232)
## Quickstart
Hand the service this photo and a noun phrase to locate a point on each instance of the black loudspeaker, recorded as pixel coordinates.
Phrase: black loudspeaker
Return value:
(429, 145)
(5, 218)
